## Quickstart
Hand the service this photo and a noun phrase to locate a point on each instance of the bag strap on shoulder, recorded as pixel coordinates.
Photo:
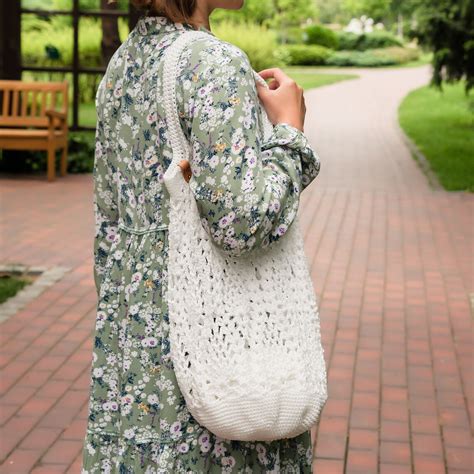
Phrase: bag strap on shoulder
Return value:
(178, 140)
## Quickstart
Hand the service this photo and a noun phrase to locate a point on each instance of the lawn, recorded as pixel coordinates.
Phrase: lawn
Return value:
(9, 286)
(311, 77)
(442, 125)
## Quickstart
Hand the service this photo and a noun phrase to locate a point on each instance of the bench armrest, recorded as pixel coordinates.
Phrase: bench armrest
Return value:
(56, 114)
(56, 119)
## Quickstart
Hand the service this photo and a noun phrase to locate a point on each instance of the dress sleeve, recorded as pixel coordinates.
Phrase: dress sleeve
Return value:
(104, 198)
(247, 189)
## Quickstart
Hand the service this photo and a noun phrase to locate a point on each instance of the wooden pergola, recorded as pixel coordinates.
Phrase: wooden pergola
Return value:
(11, 66)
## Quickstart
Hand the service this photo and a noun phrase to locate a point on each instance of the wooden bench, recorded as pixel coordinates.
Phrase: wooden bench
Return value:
(29, 119)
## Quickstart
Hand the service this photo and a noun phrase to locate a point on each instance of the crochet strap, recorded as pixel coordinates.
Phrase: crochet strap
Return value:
(179, 143)
(178, 140)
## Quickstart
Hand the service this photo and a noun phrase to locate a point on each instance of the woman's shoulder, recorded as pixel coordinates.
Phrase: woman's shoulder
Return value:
(209, 51)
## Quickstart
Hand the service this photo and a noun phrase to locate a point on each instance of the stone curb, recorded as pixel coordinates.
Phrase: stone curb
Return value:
(47, 277)
(421, 160)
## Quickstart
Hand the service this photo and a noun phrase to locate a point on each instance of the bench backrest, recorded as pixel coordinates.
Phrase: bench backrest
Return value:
(24, 104)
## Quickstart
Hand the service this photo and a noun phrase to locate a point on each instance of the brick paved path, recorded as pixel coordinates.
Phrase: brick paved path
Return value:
(391, 261)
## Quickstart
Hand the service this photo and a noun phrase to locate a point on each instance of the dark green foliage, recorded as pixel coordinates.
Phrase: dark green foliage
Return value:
(305, 55)
(80, 157)
(447, 28)
(377, 39)
(81, 152)
(349, 41)
(318, 34)
(9, 286)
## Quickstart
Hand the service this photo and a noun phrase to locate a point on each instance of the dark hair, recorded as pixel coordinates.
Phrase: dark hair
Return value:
(178, 11)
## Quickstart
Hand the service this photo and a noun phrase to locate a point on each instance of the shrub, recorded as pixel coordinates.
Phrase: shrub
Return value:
(305, 55)
(349, 41)
(373, 57)
(256, 41)
(397, 53)
(292, 35)
(81, 152)
(377, 39)
(320, 35)
(81, 148)
(357, 58)
(380, 39)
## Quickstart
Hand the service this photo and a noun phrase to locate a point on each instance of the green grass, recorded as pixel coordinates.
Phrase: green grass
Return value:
(311, 77)
(87, 115)
(9, 286)
(442, 125)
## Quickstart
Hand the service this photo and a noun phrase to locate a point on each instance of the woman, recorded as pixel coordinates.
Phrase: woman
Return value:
(138, 420)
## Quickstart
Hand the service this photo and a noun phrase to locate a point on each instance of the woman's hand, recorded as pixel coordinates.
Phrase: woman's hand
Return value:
(284, 100)
(185, 169)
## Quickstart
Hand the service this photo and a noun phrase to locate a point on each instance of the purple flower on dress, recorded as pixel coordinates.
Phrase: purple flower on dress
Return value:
(175, 427)
(183, 447)
(281, 229)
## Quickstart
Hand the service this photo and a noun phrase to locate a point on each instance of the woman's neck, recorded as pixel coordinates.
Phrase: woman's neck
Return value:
(201, 17)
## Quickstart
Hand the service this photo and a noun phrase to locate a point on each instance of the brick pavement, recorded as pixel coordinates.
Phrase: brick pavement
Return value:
(391, 261)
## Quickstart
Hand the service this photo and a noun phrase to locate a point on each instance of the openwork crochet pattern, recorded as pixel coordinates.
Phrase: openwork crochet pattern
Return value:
(244, 331)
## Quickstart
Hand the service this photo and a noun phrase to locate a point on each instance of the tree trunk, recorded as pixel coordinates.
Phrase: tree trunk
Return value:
(400, 26)
(110, 33)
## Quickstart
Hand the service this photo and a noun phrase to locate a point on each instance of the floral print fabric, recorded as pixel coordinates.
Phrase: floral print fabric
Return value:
(247, 190)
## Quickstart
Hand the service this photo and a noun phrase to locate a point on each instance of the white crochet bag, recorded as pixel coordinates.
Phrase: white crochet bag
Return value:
(244, 332)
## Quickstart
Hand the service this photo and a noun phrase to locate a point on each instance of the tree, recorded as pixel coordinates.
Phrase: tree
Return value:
(290, 13)
(376, 9)
(110, 32)
(447, 28)
(255, 11)
(280, 15)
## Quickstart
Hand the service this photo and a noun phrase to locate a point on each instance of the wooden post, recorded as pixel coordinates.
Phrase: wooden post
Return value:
(10, 40)
(75, 64)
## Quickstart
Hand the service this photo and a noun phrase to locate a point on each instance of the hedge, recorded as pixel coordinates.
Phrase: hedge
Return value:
(320, 35)
(373, 57)
(304, 55)
(377, 39)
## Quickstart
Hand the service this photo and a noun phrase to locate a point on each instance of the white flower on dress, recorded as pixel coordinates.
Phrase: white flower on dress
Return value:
(153, 399)
(129, 433)
(137, 276)
(98, 372)
(238, 141)
(219, 449)
(213, 161)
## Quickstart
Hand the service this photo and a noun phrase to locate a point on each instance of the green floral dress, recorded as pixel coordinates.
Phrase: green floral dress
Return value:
(247, 191)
